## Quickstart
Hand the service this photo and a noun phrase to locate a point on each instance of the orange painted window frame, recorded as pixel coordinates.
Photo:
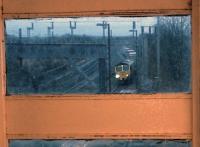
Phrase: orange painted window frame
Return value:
(101, 116)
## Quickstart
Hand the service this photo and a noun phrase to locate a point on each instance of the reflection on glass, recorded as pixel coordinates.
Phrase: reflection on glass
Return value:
(100, 143)
(98, 55)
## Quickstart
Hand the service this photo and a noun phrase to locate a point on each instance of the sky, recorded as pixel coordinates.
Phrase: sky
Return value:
(120, 26)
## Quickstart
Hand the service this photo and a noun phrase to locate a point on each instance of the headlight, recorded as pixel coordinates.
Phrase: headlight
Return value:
(117, 76)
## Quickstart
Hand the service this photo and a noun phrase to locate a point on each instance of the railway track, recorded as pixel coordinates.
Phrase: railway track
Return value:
(70, 79)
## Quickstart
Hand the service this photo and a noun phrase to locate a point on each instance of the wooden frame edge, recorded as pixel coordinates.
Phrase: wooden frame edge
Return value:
(3, 136)
(97, 13)
(103, 97)
(165, 136)
(196, 73)
(22, 8)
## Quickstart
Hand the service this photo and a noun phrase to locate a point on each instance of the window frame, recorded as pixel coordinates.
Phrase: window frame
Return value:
(22, 9)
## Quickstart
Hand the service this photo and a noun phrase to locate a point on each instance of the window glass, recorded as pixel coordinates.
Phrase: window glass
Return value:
(119, 68)
(100, 143)
(126, 67)
(80, 55)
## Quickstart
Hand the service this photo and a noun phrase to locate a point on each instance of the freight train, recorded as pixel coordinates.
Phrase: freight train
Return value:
(124, 72)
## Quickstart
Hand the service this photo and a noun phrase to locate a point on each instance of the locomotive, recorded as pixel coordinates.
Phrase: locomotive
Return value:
(124, 72)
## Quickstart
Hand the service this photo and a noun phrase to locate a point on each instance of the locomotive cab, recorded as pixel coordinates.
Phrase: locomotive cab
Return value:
(122, 71)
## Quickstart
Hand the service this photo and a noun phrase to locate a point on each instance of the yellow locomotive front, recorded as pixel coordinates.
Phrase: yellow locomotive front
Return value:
(122, 71)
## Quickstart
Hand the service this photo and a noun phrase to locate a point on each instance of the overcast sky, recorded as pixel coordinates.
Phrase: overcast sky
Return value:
(85, 26)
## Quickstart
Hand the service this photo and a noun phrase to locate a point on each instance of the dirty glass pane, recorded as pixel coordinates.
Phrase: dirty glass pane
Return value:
(100, 143)
(98, 55)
